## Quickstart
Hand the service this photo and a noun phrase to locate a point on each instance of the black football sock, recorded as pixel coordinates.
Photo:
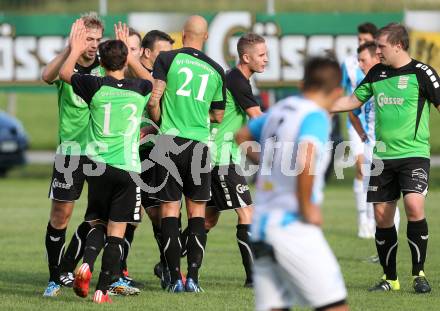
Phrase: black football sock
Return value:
(417, 234)
(128, 240)
(245, 250)
(111, 259)
(386, 245)
(55, 239)
(158, 237)
(184, 240)
(75, 250)
(171, 246)
(94, 243)
(196, 246)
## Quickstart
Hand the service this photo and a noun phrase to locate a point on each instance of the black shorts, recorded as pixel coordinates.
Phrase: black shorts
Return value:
(67, 178)
(229, 188)
(148, 189)
(113, 196)
(183, 165)
(407, 175)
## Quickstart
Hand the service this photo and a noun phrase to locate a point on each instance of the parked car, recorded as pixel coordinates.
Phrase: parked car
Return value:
(13, 143)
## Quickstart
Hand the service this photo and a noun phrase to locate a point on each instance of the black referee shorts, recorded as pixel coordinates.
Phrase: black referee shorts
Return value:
(406, 175)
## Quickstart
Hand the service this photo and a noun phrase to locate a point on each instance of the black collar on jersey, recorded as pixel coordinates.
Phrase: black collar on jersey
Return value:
(88, 69)
(149, 70)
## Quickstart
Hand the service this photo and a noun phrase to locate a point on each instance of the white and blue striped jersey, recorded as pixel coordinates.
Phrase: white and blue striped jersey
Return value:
(352, 76)
(280, 131)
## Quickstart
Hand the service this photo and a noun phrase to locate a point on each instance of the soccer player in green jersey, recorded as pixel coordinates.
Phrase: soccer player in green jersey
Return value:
(228, 185)
(68, 176)
(146, 49)
(154, 42)
(192, 90)
(403, 89)
(116, 105)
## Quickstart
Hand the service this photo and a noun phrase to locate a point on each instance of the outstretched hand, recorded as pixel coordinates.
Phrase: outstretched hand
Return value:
(78, 36)
(122, 32)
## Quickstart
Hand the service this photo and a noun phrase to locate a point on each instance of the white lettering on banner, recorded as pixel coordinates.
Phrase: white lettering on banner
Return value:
(286, 53)
(22, 58)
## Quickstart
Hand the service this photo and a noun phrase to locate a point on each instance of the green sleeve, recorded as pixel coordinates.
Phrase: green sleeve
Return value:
(220, 93)
(364, 90)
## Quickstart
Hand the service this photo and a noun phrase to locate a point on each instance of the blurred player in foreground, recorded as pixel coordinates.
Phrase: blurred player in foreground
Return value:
(293, 262)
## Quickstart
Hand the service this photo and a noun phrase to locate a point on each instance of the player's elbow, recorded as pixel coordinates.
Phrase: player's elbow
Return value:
(65, 76)
(46, 76)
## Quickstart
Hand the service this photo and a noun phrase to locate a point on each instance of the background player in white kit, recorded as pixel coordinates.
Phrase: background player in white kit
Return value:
(352, 75)
(293, 263)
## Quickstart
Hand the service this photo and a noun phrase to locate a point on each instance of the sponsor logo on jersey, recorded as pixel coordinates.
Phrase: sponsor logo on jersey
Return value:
(420, 174)
(383, 74)
(403, 82)
(57, 184)
(242, 188)
(382, 100)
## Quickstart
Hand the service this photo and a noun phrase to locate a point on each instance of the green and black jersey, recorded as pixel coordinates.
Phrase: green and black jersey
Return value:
(239, 97)
(194, 85)
(402, 99)
(116, 108)
(146, 121)
(74, 114)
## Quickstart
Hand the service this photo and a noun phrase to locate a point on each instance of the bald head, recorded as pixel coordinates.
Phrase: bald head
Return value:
(195, 30)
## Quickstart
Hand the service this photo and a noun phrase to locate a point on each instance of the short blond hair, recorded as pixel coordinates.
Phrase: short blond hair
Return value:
(92, 20)
(246, 41)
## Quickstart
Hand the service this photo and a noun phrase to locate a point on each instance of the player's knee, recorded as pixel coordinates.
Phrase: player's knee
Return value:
(60, 214)
(383, 220)
(415, 213)
(211, 221)
(245, 215)
(154, 215)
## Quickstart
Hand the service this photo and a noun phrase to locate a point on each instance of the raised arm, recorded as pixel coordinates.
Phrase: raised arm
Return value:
(52, 69)
(154, 102)
(78, 46)
(136, 68)
(346, 103)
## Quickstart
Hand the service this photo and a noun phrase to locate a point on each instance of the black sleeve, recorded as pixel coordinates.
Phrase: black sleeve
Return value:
(146, 87)
(162, 65)
(85, 86)
(219, 102)
(430, 87)
(241, 90)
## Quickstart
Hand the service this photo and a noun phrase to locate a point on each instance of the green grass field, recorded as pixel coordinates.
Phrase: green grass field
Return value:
(24, 208)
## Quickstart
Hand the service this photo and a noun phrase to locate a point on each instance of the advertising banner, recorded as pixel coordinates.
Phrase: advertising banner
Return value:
(27, 43)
